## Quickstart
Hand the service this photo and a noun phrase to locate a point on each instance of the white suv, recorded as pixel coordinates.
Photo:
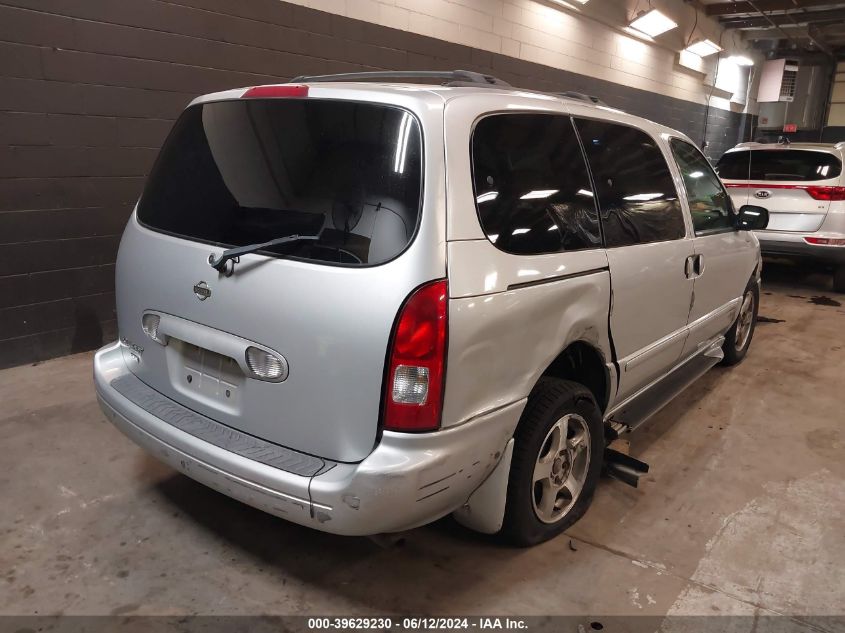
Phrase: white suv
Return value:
(363, 306)
(803, 187)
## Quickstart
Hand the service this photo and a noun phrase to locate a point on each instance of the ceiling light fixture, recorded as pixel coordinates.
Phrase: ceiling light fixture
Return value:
(703, 48)
(652, 23)
(741, 60)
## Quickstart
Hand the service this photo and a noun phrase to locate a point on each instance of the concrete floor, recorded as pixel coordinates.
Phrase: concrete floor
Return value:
(743, 511)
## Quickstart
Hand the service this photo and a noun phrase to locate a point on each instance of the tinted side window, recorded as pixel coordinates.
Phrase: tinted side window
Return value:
(636, 194)
(709, 203)
(532, 190)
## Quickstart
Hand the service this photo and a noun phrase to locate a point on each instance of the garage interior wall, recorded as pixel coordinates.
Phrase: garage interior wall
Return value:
(836, 109)
(90, 88)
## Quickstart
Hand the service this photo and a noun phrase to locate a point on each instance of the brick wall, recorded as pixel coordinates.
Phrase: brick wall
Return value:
(586, 38)
(89, 89)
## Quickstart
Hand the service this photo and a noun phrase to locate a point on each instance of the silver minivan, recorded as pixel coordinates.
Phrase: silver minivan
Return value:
(362, 306)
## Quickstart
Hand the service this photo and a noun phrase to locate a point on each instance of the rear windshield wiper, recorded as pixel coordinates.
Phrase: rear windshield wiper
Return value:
(219, 263)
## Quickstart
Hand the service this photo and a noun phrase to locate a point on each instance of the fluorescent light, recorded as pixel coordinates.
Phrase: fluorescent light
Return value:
(691, 61)
(584, 192)
(637, 197)
(572, 7)
(637, 34)
(539, 193)
(696, 174)
(487, 197)
(741, 60)
(520, 231)
(402, 144)
(703, 48)
(653, 23)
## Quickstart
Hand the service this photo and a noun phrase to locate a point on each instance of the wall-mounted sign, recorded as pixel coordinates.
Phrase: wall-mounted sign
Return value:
(790, 127)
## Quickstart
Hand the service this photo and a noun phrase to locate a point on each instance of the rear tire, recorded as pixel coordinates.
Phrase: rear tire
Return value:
(839, 278)
(738, 338)
(557, 461)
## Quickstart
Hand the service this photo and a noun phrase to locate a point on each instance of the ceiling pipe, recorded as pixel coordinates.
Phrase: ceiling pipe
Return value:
(766, 17)
(820, 46)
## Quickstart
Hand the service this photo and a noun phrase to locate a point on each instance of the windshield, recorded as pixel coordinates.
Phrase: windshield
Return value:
(233, 173)
(778, 164)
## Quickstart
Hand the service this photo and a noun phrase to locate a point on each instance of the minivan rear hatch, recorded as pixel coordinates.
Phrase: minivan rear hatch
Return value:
(347, 178)
(795, 185)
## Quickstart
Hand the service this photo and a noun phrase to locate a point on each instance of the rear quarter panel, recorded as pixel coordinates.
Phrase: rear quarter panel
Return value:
(509, 315)
(501, 340)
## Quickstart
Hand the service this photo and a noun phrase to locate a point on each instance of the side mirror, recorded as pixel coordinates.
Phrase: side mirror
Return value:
(752, 218)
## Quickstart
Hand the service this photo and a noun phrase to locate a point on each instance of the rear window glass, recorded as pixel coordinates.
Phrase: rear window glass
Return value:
(234, 173)
(778, 164)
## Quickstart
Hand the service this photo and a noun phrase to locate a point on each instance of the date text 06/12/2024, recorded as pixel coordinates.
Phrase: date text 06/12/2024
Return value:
(417, 623)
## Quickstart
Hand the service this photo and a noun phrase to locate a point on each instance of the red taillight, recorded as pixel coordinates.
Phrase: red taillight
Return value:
(821, 192)
(285, 90)
(827, 193)
(413, 395)
(825, 241)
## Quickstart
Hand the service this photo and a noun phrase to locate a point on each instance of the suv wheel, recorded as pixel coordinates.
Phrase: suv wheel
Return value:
(839, 278)
(738, 338)
(557, 462)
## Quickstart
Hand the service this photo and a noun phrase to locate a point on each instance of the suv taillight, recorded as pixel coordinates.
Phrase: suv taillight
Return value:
(413, 395)
(825, 241)
(833, 194)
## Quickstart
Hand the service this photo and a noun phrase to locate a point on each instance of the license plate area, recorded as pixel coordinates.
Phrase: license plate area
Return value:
(214, 379)
(801, 222)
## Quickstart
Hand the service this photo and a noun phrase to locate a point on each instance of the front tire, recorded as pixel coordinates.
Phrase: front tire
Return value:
(738, 338)
(557, 462)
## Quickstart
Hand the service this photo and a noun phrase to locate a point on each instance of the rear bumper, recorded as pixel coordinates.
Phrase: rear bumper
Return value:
(408, 480)
(793, 245)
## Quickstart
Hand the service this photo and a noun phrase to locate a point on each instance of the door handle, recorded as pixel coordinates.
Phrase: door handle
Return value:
(694, 266)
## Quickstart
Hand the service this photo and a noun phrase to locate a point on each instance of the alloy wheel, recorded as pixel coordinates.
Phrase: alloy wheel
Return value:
(561, 468)
(744, 321)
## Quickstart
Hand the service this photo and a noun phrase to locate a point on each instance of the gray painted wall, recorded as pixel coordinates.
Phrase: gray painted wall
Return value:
(89, 89)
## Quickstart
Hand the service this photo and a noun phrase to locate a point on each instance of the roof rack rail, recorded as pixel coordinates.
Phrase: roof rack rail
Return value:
(450, 77)
(580, 96)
